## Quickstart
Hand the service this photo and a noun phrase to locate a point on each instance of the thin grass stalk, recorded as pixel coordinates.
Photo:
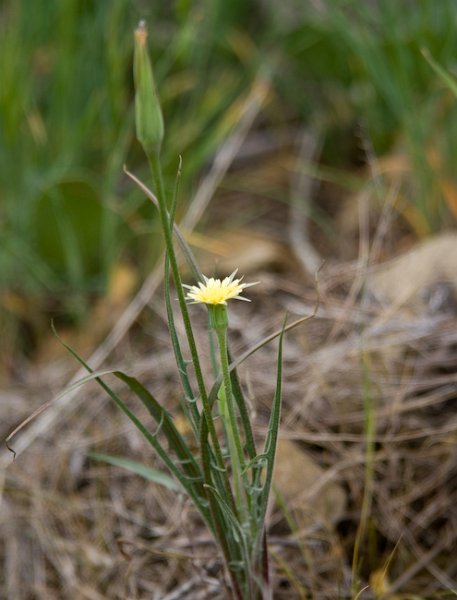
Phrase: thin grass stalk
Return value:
(156, 170)
(227, 404)
(219, 524)
(187, 483)
(184, 246)
(269, 455)
(190, 404)
(162, 417)
(219, 527)
(241, 404)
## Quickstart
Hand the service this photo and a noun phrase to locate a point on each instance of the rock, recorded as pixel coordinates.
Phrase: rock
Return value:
(423, 279)
(300, 480)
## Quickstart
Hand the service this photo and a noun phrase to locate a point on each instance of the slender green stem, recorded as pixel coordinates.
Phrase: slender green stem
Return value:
(233, 436)
(220, 524)
(156, 170)
(236, 467)
(190, 406)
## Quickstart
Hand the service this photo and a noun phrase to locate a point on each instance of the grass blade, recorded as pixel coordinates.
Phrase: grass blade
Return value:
(192, 486)
(167, 427)
(244, 415)
(139, 469)
(184, 246)
(190, 405)
(227, 544)
(270, 446)
(168, 235)
(450, 82)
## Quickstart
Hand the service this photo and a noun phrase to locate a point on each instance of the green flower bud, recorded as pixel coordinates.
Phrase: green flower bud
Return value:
(148, 113)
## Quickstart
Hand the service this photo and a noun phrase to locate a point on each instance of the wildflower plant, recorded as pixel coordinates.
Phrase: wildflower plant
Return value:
(224, 475)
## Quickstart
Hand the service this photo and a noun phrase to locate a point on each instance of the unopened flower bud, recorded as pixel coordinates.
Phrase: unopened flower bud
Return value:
(148, 113)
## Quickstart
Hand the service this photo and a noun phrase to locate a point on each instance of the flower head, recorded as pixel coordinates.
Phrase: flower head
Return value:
(214, 291)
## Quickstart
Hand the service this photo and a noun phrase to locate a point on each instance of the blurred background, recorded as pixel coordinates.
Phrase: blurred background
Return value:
(354, 72)
(337, 104)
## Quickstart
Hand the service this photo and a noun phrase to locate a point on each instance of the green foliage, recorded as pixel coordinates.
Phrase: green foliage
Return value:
(228, 482)
(362, 64)
(66, 129)
(62, 139)
(237, 525)
(67, 108)
(67, 230)
(139, 469)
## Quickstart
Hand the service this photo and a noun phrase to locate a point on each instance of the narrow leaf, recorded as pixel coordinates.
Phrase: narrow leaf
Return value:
(244, 415)
(195, 491)
(185, 248)
(271, 441)
(219, 525)
(444, 75)
(190, 405)
(139, 469)
(168, 428)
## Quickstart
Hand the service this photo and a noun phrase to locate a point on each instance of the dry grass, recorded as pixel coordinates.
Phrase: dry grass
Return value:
(72, 527)
(75, 528)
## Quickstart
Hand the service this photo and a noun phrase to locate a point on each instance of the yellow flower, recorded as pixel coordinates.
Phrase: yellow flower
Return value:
(214, 291)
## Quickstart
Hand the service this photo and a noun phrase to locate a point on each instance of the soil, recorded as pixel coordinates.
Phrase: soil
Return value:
(369, 406)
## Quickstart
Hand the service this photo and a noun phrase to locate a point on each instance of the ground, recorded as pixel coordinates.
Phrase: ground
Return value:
(366, 489)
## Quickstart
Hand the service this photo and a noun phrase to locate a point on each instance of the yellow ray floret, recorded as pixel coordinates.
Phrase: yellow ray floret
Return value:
(215, 291)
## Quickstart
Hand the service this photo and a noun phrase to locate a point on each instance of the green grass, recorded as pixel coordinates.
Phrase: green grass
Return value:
(356, 70)
(66, 116)
(63, 106)
(362, 64)
(66, 128)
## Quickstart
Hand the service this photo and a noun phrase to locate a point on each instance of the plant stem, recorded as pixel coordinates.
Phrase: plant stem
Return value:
(154, 162)
(227, 406)
(157, 175)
